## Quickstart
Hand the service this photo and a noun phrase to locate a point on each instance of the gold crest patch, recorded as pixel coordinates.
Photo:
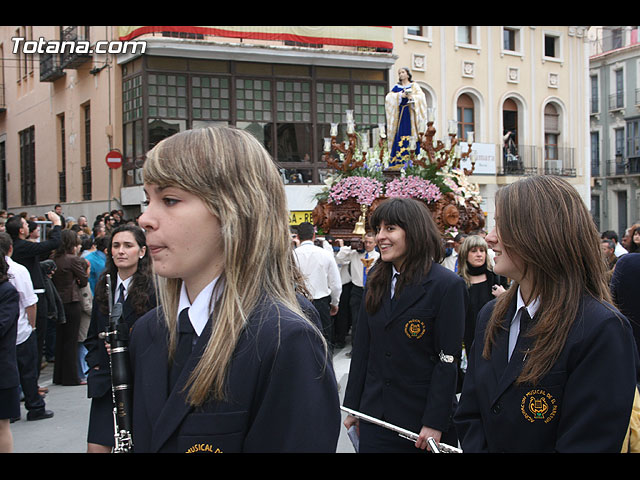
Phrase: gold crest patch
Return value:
(203, 448)
(414, 328)
(538, 405)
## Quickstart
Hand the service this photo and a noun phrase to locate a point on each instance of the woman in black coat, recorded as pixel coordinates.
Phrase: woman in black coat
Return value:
(128, 264)
(409, 339)
(71, 274)
(483, 284)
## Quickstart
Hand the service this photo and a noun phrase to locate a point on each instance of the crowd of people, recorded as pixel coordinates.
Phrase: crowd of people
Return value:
(522, 339)
(55, 264)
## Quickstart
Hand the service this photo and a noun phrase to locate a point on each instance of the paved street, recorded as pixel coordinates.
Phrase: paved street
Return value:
(66, 432)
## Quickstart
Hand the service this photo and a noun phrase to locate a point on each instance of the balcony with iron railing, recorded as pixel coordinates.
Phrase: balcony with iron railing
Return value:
(623, 166)
(616, 101)
(73, 59)
(532, 160)
(608, 39)
(50, 67)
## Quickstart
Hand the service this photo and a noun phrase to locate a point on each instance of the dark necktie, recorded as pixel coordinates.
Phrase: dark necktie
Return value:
(121, 293)
(393, 297)
(183, 350)
(525, 324)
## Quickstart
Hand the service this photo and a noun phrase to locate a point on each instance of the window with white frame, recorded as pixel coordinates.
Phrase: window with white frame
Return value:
(418, 31)
(552, 46)
(512, 40)
(467, 35)
(595, 97)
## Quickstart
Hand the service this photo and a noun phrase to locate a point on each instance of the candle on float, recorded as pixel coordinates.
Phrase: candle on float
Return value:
(381, 130)
(469, 137)
(365, 142)
(412, 143)
(350, 127)
(453, 127)
(349, 115)
(327, 144)
(334, 130)
(431, 114)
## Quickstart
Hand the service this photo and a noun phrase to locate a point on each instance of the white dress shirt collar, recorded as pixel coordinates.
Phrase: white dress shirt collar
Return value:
(514, 329)
(532, 308)
(199, 310)
(126, 284)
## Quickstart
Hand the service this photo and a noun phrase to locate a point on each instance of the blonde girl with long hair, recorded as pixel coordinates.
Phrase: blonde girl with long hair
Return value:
(553, 367)
(258, 377)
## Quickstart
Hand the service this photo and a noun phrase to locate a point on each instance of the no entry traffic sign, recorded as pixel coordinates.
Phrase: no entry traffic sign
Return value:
(114, 159)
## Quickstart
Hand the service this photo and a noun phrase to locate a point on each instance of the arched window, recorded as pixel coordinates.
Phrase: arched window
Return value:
(465, 116)
(512, 161)
(551, 132)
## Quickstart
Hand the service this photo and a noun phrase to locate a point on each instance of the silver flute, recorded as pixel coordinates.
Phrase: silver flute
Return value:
(404, 433)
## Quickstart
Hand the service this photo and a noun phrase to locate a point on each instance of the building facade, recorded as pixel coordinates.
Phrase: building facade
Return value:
(614, 75)
(286, 85)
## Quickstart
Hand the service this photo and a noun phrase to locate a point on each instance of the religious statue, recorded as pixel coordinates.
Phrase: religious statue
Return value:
(406, 110)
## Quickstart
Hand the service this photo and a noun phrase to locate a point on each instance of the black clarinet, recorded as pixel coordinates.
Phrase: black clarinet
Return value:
(117, 335)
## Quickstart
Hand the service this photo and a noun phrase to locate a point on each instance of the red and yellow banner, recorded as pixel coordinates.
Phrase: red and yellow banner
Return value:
(350, 36)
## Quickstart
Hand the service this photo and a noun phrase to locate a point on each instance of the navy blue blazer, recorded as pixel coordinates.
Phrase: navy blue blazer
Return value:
(99, 379)
(583, 404)
(624, 288)
(282, 391)
(9, 313)
(396, 373)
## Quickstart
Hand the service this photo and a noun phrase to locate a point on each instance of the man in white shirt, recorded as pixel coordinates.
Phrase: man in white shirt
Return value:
(619, 249)
(360, 262)
(322, 277)
(26, 342)
(451, 262)
(342, 320)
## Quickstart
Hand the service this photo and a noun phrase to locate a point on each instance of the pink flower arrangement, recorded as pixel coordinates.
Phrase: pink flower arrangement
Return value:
(364, 189)
(413, 187)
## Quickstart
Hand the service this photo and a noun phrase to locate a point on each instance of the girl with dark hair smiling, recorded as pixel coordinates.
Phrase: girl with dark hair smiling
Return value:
(409, 337)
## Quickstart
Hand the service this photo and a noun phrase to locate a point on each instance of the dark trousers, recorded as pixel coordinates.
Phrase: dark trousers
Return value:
(342, 320)
(355, 302)
(28, 368)
(323, 306)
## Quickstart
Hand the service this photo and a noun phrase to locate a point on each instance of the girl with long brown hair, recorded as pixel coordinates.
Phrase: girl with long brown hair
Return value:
(256, 376)
(409, 337)
(553, 366)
